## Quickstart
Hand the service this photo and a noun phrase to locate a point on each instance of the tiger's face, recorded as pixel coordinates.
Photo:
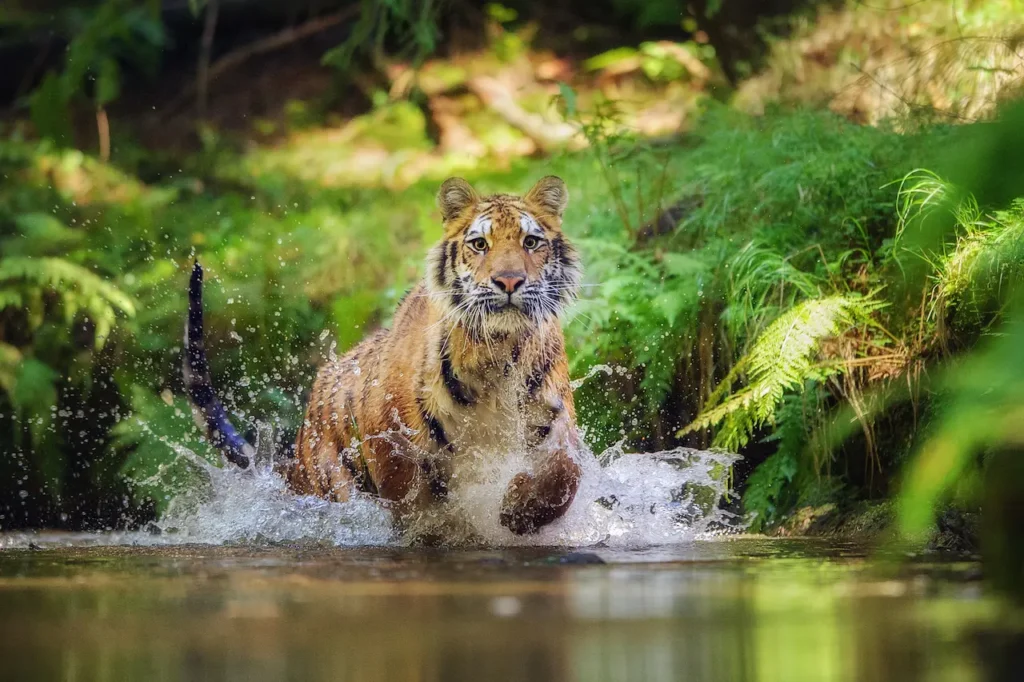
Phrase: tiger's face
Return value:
(504, 265)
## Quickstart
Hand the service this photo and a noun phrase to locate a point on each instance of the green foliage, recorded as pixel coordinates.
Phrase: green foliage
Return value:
(652, 12)
(742, 282)
(48, 108)
(411, 24)
(762, 284)
(33, 394)
(163, 450)
(706, 245)
(100, 38)
(974, 268)
(783, 358)
(352, 317)
(93, 285)
(767, 488)
(24, 282)
(47, 298)
(658, 62)
(788, 277)
(982, 412)
(980, 258)
(970, 273)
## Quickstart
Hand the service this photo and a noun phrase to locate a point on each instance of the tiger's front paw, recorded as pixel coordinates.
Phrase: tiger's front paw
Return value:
(516, 512)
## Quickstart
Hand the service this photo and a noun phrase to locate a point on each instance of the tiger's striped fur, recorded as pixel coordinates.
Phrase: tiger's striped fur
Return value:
(475, 356)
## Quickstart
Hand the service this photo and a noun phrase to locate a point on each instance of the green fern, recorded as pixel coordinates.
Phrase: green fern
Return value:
(782, 359)
(762, 284)
(25, 280)
(30, 382)
(161, 446)
(979, 258)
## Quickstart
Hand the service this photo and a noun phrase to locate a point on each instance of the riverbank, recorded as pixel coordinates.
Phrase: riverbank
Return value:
(816, 291)
(873, 523)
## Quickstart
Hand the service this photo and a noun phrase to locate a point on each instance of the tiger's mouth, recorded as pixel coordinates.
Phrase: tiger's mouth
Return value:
(531, 304)
(498, 305)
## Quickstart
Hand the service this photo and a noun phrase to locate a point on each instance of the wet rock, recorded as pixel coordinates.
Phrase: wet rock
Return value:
(577, 558)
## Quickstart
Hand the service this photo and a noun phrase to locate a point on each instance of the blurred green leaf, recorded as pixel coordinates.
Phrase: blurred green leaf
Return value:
(48, 107)
(108, 81)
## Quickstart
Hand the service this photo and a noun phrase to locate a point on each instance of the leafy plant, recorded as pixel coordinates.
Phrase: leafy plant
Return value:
(977, 262)
(100, 38)
(783, 358)
(25, 283)
(412, 24)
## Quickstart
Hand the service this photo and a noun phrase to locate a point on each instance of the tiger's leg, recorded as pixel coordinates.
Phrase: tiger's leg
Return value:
(537, 499)
(321, 466)
(400, 461)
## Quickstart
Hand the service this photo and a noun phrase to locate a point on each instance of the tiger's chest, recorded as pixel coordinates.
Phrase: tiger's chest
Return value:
(502, 420)
(493, 423)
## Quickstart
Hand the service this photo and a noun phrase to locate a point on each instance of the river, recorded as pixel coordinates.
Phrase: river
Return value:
(730, 607)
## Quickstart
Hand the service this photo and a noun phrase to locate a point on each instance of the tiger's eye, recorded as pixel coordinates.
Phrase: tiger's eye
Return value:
(531, 242)
(478, 244)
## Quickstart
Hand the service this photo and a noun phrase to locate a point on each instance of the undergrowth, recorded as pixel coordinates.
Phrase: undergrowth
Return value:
(790, 277)
(760, 286)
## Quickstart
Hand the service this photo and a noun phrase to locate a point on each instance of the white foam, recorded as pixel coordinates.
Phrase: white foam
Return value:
(624, 499)
(256, 506)
(632, 500)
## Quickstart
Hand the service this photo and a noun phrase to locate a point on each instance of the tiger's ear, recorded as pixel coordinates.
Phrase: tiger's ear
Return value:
(551, 194)
(454, 196)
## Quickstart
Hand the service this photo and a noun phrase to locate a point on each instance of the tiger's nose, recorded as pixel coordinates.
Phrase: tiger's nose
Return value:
(509, 281)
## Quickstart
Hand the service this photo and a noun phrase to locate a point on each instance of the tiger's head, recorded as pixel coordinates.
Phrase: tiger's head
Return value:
(503, 265)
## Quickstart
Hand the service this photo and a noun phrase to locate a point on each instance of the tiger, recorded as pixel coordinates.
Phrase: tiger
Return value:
(474, 360)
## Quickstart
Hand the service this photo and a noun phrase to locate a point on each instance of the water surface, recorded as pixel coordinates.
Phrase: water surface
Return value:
(718, 609)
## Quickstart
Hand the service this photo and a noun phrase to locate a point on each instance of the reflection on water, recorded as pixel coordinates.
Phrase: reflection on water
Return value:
(739, 609)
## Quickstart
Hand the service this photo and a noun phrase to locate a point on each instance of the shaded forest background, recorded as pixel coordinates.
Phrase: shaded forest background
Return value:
(801, 223)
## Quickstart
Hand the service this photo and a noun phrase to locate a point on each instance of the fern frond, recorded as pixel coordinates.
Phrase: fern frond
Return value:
(780, 360)
(762, 282)
(984, 264)
(80, 290)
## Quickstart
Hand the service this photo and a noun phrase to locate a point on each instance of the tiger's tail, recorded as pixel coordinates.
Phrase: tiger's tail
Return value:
(209, 411)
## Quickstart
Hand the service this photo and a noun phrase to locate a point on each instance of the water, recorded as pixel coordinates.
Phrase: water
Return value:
(645, 578)
(731, 608)
(623, 500)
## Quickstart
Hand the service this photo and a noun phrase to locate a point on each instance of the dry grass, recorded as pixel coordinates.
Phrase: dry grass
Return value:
(953, 60)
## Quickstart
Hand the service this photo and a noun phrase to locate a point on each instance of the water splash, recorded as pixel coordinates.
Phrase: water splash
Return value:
(256, 506)
(624, 500)
(606, 369)
(634, 500)
(628, 500)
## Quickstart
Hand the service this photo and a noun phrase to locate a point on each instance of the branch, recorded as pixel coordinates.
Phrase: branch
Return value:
(236, 58)
(275, 42)
(103, 132)
(547, 135)
(205, 50)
